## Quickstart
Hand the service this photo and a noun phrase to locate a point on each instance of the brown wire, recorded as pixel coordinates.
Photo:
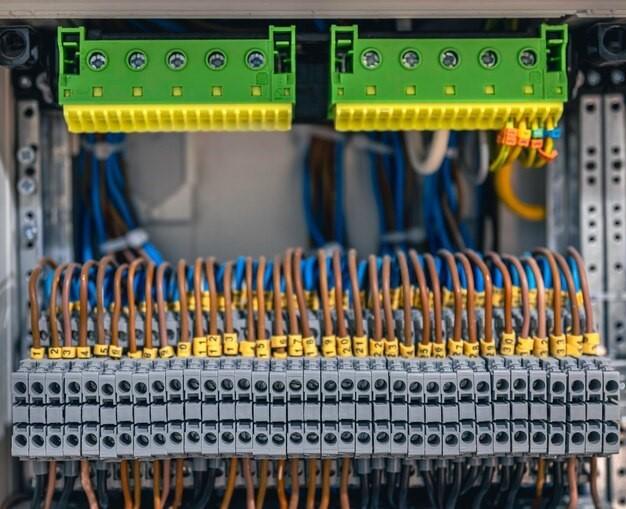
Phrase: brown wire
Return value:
(124, 481)
(249, 299)
(230, 484)
(375, 298)
(85, 481)
(342, 330)
(508, 296)
(302, 305)
(167, 479)
(424, 297)
(83, 308)
(51, 485)
(584, 287)
(470, 300)
(52, 308)
(311, 483)
(209, 267)
(247, 468)
(136, 484)
(148, 343)
(484, 270)
(571, 292)
(262, 490)
(198, 322)
(456, 291)
(291, 309)
(117, 304)
(280, 484)
(228, 301)
(325, 491)
(436, 291)
(593, 482)
(33, 281)
(278, 301)
(541, 296)
(344, 495)
(523, 281)
(181, 269)
(324, 293)
(161, 309)
(539, 483)
(356, 295)
(179, 486)
(407, 300)
(65, 303)
(294, 496)
(572, 481)
(260, 297)
(132, 310)
(103, 265)
(557, 323)
(156, 482)
(386, 291)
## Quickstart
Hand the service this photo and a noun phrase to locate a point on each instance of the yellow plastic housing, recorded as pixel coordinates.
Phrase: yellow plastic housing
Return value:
(433, 116)
(187, 117)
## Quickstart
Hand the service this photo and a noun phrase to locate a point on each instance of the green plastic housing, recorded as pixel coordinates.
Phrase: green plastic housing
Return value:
(207, 97)
(474, 81)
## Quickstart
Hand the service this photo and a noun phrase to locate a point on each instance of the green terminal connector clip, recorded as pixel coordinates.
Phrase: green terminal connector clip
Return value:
(452, 83)
(130, 85)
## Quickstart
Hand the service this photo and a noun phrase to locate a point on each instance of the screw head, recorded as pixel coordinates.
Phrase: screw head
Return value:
(26, 155)
(347, 384)
(410, 59)
(216, 60)
(399, 438)
(26, 186)
(261, 439)
(296, 437)
(245, 437)
(330, 386)
(260, 386)
(363, 385)
(399, 386)
(176, 60)
(227, 384)
(210, 438)
(295, 385)
(278, 439)
(25, 82)
(137, 60)
(312, 438)
(330, 438)
(528, 58)
(363, 437)
(97, 60)
(380, 384)
(617, 76)
(255, 60)
(371, 59)
(278, 386)
(347, 436)
(449, 59)
(228, 437)
(243, 384)
(193, 384)
(593, 78)
(489, 58)
(312, 385)
(210, 386)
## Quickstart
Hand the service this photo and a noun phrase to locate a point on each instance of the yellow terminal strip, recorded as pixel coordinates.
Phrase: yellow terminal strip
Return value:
(344, 346)
(135, 355)
(439, 350)
(377, 348)
(391, 347)
(55, 352)
(407, 351)
(471, 349)
(183, 350)
(247, 348)
(115, 352)
(68, 352)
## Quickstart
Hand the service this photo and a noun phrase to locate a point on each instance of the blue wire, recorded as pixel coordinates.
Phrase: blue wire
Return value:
(399, 182)
(340, 228)
(96, 204)
(314, 231)
(240, 267)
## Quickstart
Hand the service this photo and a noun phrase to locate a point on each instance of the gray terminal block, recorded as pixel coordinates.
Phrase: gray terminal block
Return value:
(520, 440)
(91, 382)
(260, 382)
(363, 444)
(312, 390)
(575, 434)
(557, 386)
(595, 384)
(556, 439)
(347, 437)
(142, 441)
(502, 437)
(312, 443)
(468, 441)
(329, 390)
(108, 442)
(193, 438)
(37, 446)
(415, 446)
(433, 440)
(485, 439)
(347, 389)
(226, 438)
(175, 439)
(210, 438)
(90, 440)
(538, 433)
(125, 443)
(610, 438)
(244, 437)
(54, 441)
(20, 440)
(330, 439)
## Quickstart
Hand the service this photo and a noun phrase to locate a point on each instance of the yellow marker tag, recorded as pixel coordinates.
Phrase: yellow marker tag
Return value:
(487, 348)
(213, 345)
(524, 346)
(54, 352)
(205, 301)
(532, 298)
(549, 296)
(279, 355)
(344, 346)
(175, 306)
(471, 349)
(479, 299)
(68, 352)
(395, 298)
(424, 350)
(455, 347)
(135, 355)
(557, 346)
(359, 345)
(310, 347)
(579, 299)
(591, 341)
(247, 348)
(439, 350)
(377, 348)
(278, 342)
(191, 302)
(83, 352)
(100, 350)
(540, 347)
(150, 353)
(115, 352)
(448, 298)
(391, 347)
(329, 346)
(166, 352)
(37, 353)
(507, 343)
(184, 349)
(263, 348)
(231, 345)
(574, 345)
(198, 346)
(294, 345)
(497, 297)
(407, 351)
(516, 296)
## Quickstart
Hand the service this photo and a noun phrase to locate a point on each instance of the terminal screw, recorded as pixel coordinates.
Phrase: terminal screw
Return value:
(255, 60)
(410, 59)
(528, 58)
(216, 60)
(137, 60)
(488, 58)
(370, 59)
(449, 59)
(176, 60)
(97, 60)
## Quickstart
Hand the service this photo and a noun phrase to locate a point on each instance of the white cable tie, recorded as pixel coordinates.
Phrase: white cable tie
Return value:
(137, 237)
(102, 150)
(114, 245)
(396, 237)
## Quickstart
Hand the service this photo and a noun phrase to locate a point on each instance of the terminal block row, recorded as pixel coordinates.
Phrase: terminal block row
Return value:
(315, 407)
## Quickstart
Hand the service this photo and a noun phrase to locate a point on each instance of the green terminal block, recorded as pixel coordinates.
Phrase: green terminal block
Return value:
(130, 85)
(451, 83)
